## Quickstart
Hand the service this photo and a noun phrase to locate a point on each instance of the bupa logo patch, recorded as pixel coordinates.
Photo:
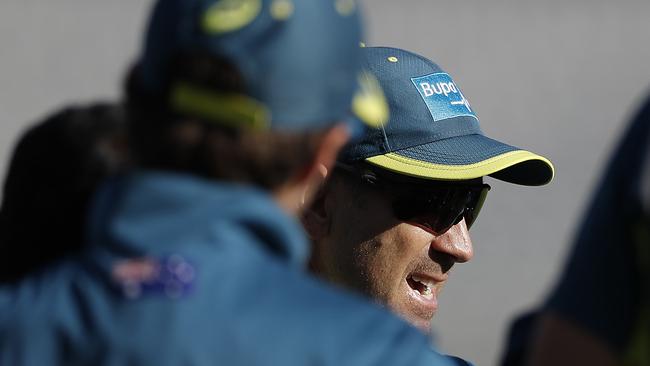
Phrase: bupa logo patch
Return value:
(443, 98)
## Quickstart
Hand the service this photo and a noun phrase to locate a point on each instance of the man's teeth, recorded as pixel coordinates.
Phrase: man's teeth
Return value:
(426, 286)
(424, 281)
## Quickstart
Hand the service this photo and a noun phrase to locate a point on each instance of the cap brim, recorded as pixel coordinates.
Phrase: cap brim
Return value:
(468, 157)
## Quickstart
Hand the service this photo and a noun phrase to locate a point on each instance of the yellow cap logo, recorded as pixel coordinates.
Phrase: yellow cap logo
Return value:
(369, 103)
(230, 15)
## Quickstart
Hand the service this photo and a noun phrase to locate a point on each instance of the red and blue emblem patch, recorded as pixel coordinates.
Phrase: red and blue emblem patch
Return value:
(171, 276)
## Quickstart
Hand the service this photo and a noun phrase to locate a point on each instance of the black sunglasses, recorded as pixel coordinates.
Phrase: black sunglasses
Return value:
(436, 205)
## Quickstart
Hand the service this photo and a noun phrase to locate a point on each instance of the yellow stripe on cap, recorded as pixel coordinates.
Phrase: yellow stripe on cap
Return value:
(369, 103)
(232, 110)
(421, 169)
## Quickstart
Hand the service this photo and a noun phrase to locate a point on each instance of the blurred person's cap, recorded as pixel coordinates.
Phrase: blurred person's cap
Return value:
(433, 132)
(300, 62)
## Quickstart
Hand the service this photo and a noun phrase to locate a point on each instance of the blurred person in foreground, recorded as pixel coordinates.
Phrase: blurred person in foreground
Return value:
(599, 311)
(53, 171)
(394, 217)
(235, 112)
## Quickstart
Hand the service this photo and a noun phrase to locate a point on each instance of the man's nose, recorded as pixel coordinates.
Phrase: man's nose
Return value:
(455, 242)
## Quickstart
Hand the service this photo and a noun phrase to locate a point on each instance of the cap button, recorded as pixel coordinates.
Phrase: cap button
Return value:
(281, 9)
(345, 7)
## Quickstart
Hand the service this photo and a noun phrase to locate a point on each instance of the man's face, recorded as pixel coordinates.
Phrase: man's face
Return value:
(360, 244)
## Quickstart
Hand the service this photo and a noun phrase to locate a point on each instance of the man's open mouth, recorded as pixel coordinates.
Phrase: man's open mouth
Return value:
(422, 285)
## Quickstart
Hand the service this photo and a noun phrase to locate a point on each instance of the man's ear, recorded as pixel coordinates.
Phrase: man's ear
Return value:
(314, 174)
(297, 194)
(316, 217)
(324, 159)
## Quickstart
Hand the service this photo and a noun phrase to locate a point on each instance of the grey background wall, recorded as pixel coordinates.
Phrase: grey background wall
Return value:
(558, 77)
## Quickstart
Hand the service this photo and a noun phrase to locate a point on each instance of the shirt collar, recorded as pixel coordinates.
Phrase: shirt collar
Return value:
(138, 212)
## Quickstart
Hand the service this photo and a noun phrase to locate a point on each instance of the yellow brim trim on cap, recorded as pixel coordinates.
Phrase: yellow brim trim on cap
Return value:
(421, 169)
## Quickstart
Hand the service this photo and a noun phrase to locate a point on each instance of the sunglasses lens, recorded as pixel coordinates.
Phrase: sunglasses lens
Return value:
(451, 210)
(474, 208)
(441, 209)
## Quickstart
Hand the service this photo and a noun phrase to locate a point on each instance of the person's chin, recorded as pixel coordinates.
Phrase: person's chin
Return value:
(422, 325)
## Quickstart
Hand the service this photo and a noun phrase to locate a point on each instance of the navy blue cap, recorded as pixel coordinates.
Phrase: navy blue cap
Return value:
(300, 61)
(433, 132)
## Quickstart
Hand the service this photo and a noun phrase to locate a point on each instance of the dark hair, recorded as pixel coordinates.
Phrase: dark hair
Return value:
(55, 167)
(163, 139)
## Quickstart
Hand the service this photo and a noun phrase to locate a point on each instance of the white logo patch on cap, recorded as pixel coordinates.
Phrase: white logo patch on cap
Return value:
(443, 98)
